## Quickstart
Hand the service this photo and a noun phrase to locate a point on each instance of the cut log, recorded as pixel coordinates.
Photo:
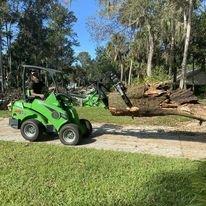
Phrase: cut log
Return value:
(191, 111)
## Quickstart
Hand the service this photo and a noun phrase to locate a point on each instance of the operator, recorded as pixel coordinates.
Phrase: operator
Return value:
(36, 86)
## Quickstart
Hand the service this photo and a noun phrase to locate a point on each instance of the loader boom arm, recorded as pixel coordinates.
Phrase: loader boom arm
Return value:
(120, 88)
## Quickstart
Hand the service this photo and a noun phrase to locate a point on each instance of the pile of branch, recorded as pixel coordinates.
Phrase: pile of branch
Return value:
(157, 100)
(9, 96)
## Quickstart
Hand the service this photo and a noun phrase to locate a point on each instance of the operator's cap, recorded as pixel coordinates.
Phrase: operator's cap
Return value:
(35, 73)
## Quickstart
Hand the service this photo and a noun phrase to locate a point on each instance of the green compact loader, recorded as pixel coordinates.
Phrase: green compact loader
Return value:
(95, 96)
(54, 113)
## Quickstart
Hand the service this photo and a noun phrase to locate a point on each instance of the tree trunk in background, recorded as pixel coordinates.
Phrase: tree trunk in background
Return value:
(1, 66)
(185, 21)
(8, 40)
(187, 40)
(172, 46)
(9, 74)
(174, 74)
(193, 69)
(130, 72)
(9, 58)
(171, 58)
(122, 71)
(150, 54)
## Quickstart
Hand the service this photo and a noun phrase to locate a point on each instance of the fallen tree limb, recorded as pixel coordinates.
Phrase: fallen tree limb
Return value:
(161, 112)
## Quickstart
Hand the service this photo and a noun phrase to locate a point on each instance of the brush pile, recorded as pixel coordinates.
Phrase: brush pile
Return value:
(9, 96)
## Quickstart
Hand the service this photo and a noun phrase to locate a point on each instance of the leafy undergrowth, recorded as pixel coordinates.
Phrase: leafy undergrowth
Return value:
(39, 174)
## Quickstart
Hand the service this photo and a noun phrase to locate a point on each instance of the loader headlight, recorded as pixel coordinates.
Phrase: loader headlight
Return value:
(55, 115)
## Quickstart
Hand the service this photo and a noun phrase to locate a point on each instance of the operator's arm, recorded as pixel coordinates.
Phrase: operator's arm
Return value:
(33, 94)
(52, 88)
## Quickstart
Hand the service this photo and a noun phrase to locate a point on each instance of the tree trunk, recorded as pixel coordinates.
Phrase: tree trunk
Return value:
(122, 71)
(185, 20)
(8, 41)
(194, 111)
(1, 66)
(187, 40)
(175, 74)
(130, 72)
(150, 53)
(172, 46)
(9, 50)
(193, 69)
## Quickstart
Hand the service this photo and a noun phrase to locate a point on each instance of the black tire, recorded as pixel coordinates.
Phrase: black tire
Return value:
(31, 130)
(87, 124)
(69, 134)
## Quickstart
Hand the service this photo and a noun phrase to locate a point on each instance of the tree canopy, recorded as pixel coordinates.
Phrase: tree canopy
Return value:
(160, 37)
(36, 32)
(145, 39)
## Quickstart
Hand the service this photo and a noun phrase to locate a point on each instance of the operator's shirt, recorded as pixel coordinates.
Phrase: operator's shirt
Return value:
(37, 88)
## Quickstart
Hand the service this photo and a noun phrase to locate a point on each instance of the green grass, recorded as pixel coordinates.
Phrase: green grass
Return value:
(4, 113)
(102, 115)
(40, 174)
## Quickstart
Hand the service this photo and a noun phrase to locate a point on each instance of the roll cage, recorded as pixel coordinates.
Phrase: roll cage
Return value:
(51, 73)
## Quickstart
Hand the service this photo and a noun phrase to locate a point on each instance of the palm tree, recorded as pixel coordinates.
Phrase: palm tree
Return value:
(172, 32)
(187, 40)
(117, 49)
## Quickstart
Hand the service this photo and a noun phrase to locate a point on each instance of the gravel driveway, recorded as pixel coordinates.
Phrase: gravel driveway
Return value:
(187, 141)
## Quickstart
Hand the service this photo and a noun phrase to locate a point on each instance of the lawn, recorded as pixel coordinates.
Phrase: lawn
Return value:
(103, 115)
(4, 113)
(40, 174)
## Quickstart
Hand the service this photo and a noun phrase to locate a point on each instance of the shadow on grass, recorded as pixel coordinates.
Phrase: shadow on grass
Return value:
(181, 189)
(176, 188)
(199, 184)
(151, 134)
(167, 189)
